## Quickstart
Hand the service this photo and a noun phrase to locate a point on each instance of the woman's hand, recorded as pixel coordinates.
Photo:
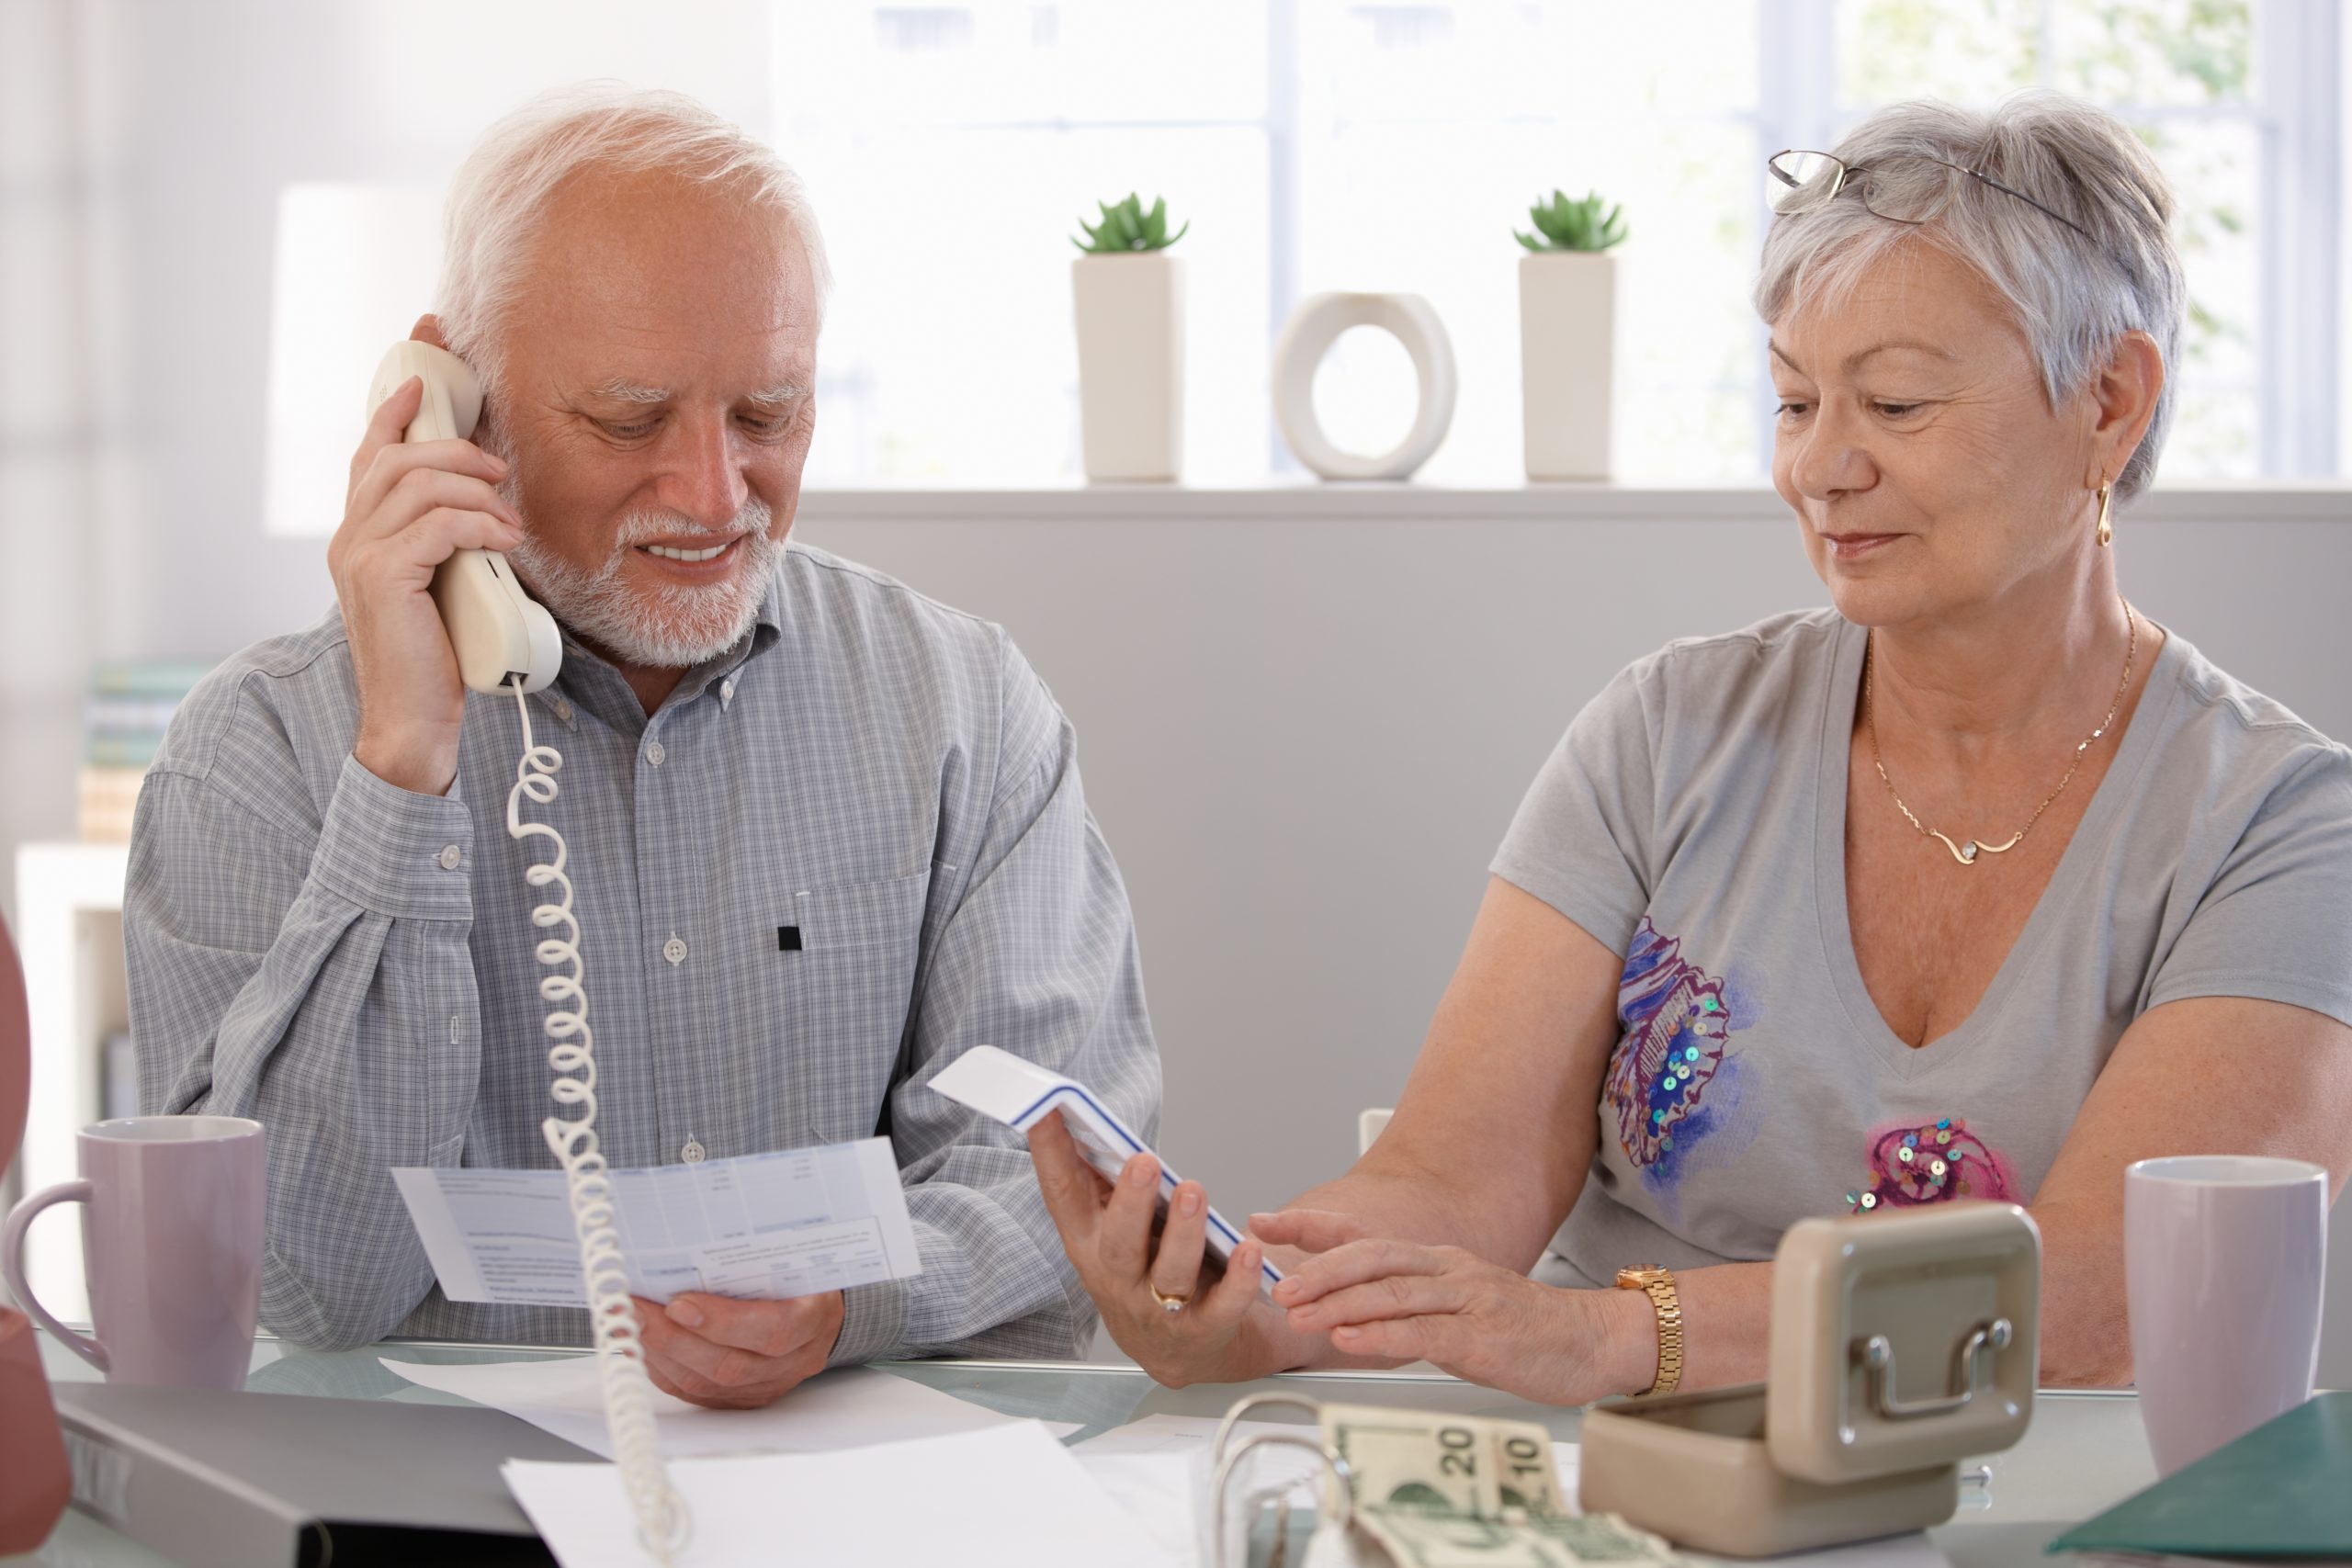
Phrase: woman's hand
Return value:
(1486, 1323)
(1107, 1228)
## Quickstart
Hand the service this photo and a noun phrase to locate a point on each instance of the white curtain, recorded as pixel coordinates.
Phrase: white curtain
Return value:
(63, 462)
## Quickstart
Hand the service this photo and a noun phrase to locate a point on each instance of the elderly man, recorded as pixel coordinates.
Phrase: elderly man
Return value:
(826, 833)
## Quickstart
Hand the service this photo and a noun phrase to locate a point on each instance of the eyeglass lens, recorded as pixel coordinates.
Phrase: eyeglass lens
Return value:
(1905, 189)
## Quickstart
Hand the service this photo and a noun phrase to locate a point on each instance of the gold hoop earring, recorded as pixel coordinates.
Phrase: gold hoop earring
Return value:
(2106, 529)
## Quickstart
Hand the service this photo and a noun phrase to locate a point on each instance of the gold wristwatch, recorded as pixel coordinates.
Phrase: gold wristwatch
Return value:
(1658, 1285)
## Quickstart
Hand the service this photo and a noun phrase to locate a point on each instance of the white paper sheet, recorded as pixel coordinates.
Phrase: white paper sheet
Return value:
(1162, 1493)
(849, 1408)
(1007, 1497)
(768, 1226)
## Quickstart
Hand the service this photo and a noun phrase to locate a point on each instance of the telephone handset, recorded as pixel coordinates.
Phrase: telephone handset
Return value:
(497, 631)
(505, 642)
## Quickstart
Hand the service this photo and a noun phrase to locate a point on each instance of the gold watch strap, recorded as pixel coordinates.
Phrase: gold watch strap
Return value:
(1658, 1285)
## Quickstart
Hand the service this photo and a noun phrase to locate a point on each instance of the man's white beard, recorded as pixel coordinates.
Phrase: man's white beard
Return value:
(668, 627)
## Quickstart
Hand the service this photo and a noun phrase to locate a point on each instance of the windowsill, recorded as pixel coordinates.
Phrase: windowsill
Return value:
(1308, 500)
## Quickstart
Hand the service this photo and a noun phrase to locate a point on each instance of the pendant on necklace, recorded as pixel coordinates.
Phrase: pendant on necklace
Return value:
(1966, 854)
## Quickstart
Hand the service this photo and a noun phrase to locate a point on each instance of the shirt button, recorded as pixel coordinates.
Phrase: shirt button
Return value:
(449, 857)
(692, 1154)
(654, 753)
(674, 951)
(726, 693)
(564, 710)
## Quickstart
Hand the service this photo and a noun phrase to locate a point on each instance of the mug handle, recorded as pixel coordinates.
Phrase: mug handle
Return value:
(12, 1267)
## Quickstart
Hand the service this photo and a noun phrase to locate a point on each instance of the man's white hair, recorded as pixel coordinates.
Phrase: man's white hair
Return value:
(500, 194)
(2074, 296)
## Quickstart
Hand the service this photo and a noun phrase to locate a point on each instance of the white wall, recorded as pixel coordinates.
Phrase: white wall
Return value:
(1305, 737)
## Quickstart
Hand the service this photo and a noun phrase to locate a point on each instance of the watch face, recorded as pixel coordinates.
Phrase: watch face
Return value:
(1636, 1279)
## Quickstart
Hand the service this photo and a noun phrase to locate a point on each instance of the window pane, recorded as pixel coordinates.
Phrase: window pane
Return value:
(2148, 61)
(950, 351)
(1966, 52)
(2210, 164)
(1427, 131)
(2154, 52)
(950, 151)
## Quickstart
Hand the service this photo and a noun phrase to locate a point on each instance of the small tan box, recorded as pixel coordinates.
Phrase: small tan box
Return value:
(1901, 1344)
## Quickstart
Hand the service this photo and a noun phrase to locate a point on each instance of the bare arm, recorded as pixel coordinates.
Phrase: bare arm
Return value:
(2192, 1077)
(1488, 1149)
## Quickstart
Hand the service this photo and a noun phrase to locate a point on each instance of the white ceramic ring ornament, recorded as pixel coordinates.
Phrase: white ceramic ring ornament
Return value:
(1312, 327)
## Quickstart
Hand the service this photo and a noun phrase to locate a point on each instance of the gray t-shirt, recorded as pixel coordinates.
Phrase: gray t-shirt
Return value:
(1694, 819)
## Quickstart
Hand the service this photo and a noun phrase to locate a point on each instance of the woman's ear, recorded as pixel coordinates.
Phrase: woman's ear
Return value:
(2126, 393)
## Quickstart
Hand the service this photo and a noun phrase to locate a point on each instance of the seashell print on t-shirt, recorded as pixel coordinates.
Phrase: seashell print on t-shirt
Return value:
(1931, 1162)
(1676, 1020)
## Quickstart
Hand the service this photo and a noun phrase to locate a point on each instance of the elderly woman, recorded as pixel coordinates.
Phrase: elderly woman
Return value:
(1981, 886)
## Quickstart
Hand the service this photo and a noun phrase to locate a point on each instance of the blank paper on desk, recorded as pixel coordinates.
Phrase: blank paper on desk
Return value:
(1006, 1497)
(849, 1407)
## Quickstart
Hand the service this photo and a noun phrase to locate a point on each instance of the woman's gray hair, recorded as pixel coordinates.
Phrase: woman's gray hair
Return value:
(500, 194)
(2073, 297)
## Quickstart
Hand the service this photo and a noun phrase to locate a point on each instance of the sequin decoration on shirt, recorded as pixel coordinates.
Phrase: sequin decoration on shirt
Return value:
(1675, 1018)
(1932, 1162)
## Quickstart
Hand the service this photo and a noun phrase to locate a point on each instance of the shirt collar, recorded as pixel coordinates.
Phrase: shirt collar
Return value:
(590, 681)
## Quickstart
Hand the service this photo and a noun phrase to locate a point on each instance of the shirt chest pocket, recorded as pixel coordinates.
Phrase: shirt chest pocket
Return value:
(844, 973)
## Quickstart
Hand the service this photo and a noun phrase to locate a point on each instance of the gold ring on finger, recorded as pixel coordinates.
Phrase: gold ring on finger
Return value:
(1168, 1303)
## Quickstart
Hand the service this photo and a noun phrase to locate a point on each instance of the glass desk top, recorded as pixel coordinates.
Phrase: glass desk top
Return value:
(2084, 1451)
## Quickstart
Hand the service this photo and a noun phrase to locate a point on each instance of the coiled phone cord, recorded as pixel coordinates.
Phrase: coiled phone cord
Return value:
(664, 1522)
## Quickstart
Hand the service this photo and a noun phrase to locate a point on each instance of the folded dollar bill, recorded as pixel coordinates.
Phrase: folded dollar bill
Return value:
(1441, 1491)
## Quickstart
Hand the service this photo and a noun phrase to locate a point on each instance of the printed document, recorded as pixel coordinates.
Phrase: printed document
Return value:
(769, 1227)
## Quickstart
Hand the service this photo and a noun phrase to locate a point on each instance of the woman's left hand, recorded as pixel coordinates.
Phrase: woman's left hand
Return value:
(1479, 1322)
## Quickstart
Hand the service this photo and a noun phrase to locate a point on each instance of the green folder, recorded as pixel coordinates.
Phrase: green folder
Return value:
(2284, 1490)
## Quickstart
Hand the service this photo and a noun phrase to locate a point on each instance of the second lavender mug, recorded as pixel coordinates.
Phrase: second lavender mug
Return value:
(2224, 1262)
(171, 1243)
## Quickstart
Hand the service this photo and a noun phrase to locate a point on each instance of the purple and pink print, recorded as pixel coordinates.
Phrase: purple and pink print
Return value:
(1931, 1162)
(1677, 1018)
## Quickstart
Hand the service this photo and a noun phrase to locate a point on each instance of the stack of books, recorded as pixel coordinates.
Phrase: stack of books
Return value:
(131, 703)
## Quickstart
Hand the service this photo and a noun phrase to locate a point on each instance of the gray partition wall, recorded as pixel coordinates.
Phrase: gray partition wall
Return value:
(1306, 717)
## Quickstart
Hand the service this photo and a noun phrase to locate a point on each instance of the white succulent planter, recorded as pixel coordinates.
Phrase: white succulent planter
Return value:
(1567, 362)
(1131, 365)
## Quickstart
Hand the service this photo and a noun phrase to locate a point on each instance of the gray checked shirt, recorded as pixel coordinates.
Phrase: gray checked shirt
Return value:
(839, 855)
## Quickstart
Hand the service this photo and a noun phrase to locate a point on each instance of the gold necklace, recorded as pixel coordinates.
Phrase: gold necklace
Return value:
(1966, 854)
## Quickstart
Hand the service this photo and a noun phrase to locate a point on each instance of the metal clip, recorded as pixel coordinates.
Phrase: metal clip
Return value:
(1227, 1463)
(1876, 1355)
(1340, 1494)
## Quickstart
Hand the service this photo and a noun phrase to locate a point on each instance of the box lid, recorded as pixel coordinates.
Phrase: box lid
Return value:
(1903, 1340)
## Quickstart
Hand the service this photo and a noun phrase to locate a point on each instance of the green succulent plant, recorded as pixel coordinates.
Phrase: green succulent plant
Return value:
(1564, 225)
(1126, 227)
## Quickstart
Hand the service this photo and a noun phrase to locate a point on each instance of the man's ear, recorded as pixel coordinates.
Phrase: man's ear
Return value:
(428, 329)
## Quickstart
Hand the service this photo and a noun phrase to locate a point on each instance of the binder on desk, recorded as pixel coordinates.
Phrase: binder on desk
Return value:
(2278, 1492)
(211, 1478)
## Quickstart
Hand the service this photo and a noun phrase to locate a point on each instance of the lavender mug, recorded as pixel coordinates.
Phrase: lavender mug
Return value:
(171, 1244)
(2224, 1262)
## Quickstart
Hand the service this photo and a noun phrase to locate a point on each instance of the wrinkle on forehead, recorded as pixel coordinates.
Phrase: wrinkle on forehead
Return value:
(655, 266)
(1915, 295)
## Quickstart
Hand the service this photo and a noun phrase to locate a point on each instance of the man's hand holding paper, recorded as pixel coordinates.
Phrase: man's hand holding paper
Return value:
(736, 1355)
